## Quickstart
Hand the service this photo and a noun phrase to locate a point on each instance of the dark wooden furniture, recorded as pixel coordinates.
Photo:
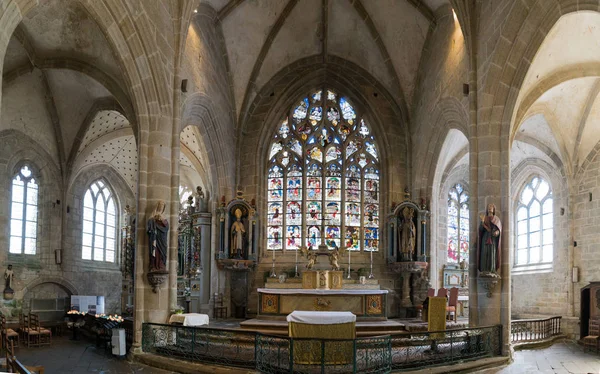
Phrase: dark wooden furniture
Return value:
(8, 334)
(44, 335)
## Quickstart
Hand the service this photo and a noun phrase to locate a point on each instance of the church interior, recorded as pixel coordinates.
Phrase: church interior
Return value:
(420, 174)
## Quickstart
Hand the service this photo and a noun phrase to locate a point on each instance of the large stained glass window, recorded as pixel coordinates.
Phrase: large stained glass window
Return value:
(535, 226)
(99, 222)
(323, 178)
(24, 213)
(458, 224)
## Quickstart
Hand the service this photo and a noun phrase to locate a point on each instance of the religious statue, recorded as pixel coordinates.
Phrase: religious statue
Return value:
(334, 258)
(237, 235)
(8, 278)
(312, 258)
(407, 234)
(158, 229)
(200, 202)
(488, 253)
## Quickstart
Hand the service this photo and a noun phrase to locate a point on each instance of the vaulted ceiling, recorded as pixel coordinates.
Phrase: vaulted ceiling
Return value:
(384, 37)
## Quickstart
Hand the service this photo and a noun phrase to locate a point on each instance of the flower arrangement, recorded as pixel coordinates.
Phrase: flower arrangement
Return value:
(115, 318)
(178, 310)
(73, 311)
(187, 292)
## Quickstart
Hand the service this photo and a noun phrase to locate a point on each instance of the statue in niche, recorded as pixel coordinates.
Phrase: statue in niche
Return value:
(158, 229)
(200, 200)
(488, 252)
(238, 232)
(407, 234)
(8, 278)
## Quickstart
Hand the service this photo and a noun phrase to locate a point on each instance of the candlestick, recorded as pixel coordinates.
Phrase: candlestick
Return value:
(349, 251)
(273, 275)
(371, 276)
(296, 275)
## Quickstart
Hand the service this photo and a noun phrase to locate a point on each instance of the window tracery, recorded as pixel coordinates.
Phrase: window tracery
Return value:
(323, 178)
(458, 224)
(24, 212)
(99, 223)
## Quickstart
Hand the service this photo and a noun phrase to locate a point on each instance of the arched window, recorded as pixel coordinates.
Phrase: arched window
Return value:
(99, 222)
(323, 178)
(535, 226)
(24, 213)
(458, 224)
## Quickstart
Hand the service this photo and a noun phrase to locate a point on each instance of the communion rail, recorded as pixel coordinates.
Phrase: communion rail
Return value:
(534, 330)
(279, 354)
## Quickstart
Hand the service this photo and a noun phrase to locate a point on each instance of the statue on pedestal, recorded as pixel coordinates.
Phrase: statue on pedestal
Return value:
(407, 234)
(158, 229)
(237, 235)
(490, 228)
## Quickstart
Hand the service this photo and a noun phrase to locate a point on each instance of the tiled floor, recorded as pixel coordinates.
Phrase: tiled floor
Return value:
(561, 358)
(73, 357)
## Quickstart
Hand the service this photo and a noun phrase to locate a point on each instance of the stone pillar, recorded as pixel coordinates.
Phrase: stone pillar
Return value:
(204, 220)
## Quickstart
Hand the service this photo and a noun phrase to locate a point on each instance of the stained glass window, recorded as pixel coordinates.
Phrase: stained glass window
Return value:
(99, 222)
(458, 224)
(323, 142)
(24, 213)
(535, 225)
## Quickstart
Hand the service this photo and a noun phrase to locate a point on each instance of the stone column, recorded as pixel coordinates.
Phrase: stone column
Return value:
(205, 220)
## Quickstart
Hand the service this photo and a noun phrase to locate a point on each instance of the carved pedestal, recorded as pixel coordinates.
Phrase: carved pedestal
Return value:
(156, 278)
(406, 270)
(322, 279)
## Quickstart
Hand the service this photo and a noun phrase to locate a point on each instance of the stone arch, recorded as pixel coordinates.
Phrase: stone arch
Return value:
(449, 115)
(369, 97)
(63, 283)
(199, 111)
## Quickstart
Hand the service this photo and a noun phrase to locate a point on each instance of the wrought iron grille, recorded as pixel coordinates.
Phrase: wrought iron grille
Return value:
(280, 354)
(534, 330)
(422, 349)
(211, 345)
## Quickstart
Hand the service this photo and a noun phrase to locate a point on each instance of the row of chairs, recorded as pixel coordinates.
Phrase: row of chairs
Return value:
(31, 331)
(13, 365)
(451, 308)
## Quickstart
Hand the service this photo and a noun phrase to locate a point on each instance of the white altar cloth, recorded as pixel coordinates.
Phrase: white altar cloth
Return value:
(320, 318)
(295, 291)
(190, 319)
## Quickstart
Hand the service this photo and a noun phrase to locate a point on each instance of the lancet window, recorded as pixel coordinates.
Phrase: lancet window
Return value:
(99, 222)
(535, 226)
(458, 224)
(24, 212)
(323, 177)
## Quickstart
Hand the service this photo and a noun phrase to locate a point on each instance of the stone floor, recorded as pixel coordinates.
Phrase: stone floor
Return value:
(65, 356)
(561, 358)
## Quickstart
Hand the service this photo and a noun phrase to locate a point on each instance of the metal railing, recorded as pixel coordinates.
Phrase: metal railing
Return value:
(209, 345)
(280, 354)
(424, 349)
(534, 330)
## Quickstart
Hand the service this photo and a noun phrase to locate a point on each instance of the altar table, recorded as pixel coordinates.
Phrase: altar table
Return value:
(322, 325)
(365, 304)
(189, 319)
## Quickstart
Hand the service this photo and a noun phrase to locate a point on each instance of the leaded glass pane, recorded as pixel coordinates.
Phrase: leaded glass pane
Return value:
(293, 237)
(547, 253)
(353, 238)
(30, 229)
(534, 209)
(547, 207)
(521, 257)
(16, 227)
(275, 148)
(542, 190)
(527, 195)
(294, 215)
(333, 214)
(332, 236)
(294, 189)
(16, 244)
(110, 256)
(30, 246)
(534, 254)
(314, 188)
(110, 232)
(371, 239)
(313, 236)
(86, 253)
(276, 189)
(18, 190)
(333, 188)
(274, 239)
(25, 171)
(301, 110)
(333, 153)
(313, 217)
(275, 217)
(16, 210)
(352, 214)
(372, 215)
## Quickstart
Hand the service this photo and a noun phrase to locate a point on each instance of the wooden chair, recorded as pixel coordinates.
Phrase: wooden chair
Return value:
(44, 336)
(452, 303)
(8, 334)
(14, 366)
(25, 331)
(593, 337)
(442, 292)
(219, 309)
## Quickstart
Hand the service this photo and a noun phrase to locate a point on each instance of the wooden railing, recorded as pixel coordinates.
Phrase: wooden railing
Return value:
(534, 330)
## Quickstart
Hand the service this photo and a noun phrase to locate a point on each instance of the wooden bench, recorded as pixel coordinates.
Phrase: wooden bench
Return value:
(14, 366)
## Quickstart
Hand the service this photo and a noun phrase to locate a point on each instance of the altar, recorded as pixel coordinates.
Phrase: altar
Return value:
(366, 304)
